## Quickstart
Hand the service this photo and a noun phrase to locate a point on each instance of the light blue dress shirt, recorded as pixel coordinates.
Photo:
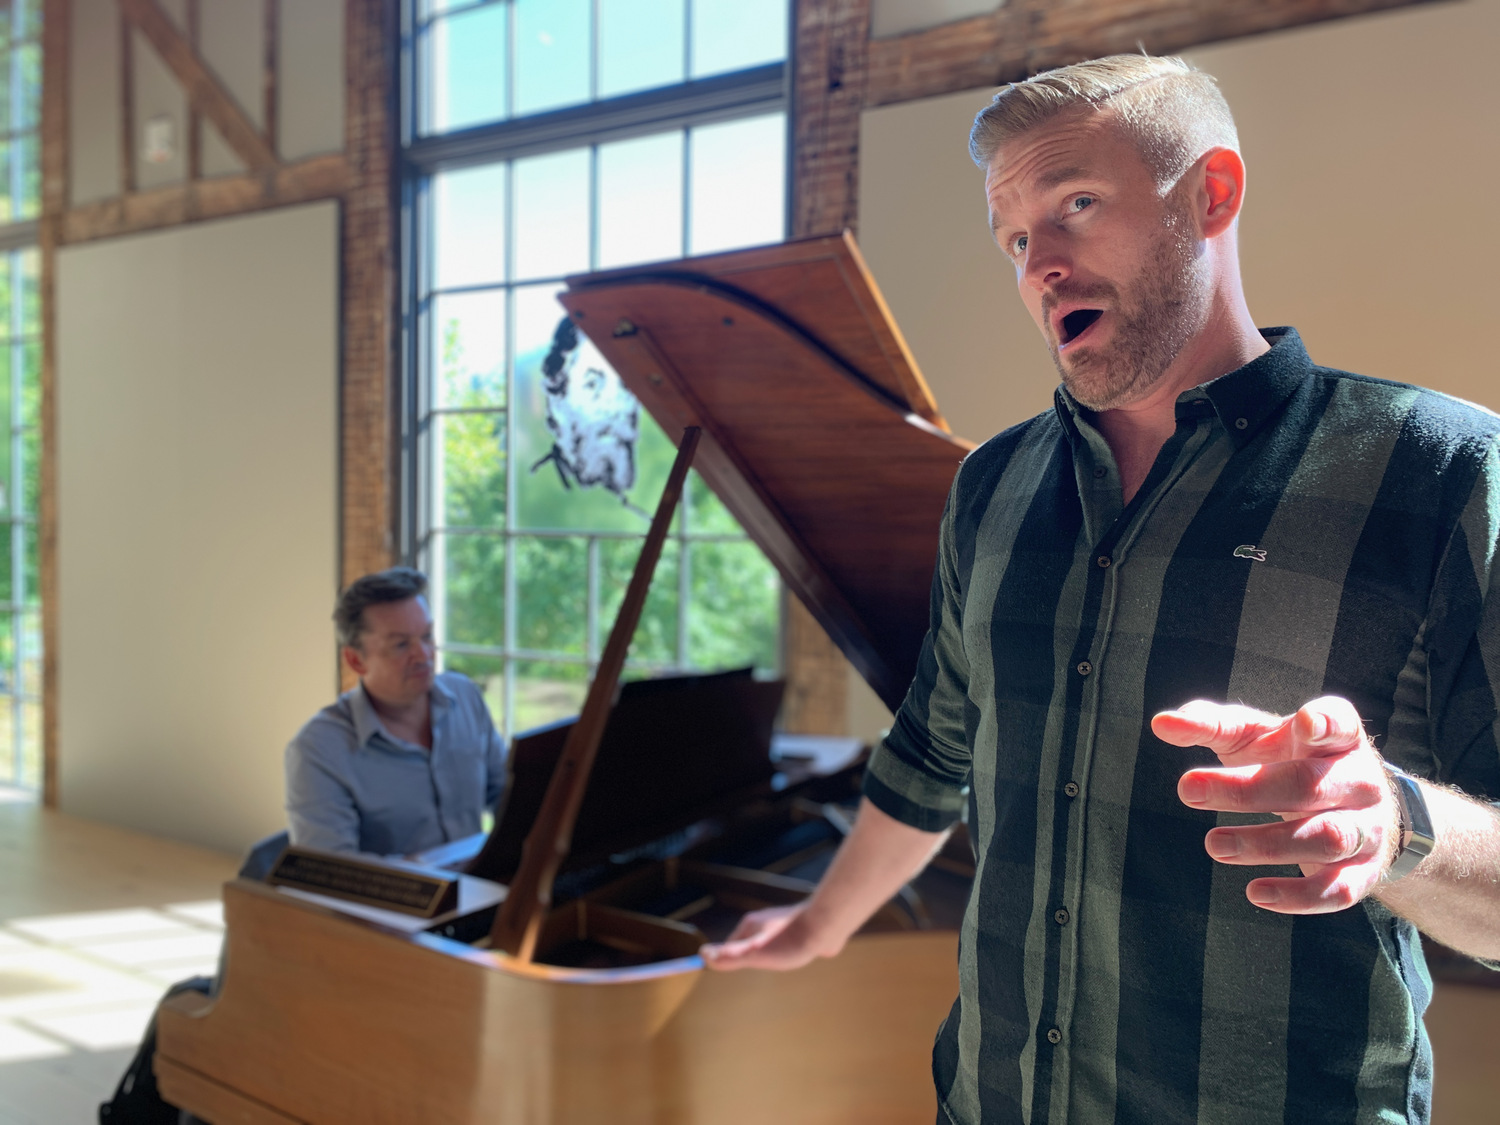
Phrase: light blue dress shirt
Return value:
(352, 786)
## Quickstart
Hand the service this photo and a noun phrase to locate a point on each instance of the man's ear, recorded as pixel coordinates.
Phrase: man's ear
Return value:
(355, 659)
(1222, 176)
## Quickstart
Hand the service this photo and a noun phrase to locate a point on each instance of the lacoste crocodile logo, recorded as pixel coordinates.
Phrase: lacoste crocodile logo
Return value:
(1250, 551)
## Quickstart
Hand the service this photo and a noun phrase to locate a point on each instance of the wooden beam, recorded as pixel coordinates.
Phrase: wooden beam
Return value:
(271, 71)
(55, 192)
(127, 107)
(370, 459)
(828, 69)
(205, 92)
(318, 177)
(1022, 37)
(827, 96)
(194, 118)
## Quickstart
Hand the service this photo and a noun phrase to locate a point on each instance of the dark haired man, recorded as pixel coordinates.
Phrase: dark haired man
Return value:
(406, 759)
(1186, 910)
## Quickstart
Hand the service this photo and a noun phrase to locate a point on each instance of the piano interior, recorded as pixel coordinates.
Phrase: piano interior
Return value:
(688, 822)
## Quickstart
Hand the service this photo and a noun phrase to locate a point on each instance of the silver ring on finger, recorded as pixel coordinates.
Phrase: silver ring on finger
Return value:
(1359, 845)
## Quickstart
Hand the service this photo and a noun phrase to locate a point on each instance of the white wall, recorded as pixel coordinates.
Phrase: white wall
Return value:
(1371, 145)
(197, 500)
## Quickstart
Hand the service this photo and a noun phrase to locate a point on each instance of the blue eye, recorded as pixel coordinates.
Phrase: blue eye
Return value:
(1018, 246)
(1079, 202)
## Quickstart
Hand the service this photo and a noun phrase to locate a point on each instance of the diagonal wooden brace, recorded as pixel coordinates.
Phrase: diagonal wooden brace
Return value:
(205, 92)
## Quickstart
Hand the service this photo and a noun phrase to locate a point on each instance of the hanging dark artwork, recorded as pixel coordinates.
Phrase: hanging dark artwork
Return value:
(595, 421)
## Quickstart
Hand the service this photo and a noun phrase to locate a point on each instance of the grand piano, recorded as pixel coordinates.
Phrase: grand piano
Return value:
(812, 423)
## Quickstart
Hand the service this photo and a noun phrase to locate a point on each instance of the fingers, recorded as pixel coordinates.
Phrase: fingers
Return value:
(1318, 840)
(1321, 728)
(1228, 729)
(1300, 786)
(754, 943)
(1336, 887)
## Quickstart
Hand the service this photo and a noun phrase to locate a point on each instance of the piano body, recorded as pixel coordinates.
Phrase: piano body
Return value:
(819, 435)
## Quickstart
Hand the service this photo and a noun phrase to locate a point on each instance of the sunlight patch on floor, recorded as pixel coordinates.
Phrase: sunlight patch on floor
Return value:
(86, 983)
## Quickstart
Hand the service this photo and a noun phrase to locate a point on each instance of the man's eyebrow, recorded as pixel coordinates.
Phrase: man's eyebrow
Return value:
(1047, 181)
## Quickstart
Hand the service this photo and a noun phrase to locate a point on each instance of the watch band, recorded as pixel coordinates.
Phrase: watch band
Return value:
(1416, 838)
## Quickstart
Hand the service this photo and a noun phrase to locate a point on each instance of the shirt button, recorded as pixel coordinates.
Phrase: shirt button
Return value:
(1071, 789)
(1103, 560)
(1084, 667)
(1054, 1036)
(1099, 472)
(1242, 423)
(1060, 917)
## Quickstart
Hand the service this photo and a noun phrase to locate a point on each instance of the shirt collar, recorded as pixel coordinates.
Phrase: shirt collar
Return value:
(1245, 399)
(367, 722)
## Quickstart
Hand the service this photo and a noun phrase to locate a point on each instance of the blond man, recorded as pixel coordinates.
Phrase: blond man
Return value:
(1212, 668)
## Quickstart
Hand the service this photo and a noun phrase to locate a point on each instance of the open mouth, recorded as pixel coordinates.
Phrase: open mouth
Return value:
(1076, 323)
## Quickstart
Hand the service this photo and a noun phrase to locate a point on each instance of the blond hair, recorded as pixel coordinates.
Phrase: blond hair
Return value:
(1173, 112)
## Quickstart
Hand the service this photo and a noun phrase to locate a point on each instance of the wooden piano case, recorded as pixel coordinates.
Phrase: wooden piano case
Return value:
(819, 435)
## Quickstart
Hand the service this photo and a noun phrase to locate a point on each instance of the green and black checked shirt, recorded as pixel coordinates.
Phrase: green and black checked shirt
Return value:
(1304, 532)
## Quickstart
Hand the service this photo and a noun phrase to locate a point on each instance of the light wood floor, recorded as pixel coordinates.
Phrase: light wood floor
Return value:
(95, 922)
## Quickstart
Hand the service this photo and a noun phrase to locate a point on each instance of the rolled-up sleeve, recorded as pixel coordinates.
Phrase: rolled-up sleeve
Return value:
(920, 771)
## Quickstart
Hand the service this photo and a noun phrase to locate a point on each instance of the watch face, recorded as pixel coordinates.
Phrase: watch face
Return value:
(1417, 838)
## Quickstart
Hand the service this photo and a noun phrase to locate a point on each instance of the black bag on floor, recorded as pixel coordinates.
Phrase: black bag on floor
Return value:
(137, 1100)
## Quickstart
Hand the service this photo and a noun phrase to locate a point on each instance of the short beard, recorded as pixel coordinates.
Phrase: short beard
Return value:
(1170, 308)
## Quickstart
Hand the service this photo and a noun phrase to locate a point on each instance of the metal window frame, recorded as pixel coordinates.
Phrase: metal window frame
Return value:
(18, 239)
(752, 92)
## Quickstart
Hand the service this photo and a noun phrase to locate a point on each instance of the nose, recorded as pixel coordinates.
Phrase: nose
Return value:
(1047, 260)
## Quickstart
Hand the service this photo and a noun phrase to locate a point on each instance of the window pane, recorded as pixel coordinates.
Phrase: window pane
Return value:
(31, 734)
(27, 114)
(468, 338)
(655, 640)
(547, 692)
(552, 54)
(473, 450)
(9, 212)
(488, 674)
(30, 559)
(707, 514)
(640, 45)
(31, 654)
(24, 152)
(31, 300)
(734, 34)
(552, 583)
(31, 473)
(738, 184)
(469, 227)
(733, 614)
(640, 200)
(31, 384)
(473, 569)
(465, 59)
(552, 214)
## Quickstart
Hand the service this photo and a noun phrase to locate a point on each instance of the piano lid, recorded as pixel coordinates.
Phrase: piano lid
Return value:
(819, 433)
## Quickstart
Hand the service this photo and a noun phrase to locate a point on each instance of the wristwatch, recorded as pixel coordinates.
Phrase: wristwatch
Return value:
(1417, 837)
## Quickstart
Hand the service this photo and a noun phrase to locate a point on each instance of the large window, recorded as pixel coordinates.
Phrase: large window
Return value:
(552, 138)
(20, 391)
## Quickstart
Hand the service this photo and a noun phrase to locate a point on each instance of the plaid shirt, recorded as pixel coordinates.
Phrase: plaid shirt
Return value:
(1303, 532)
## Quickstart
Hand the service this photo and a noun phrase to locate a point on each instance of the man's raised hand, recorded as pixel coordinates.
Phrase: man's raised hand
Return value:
(1317, 771)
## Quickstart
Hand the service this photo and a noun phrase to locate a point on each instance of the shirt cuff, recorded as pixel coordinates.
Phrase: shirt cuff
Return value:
(910, 795)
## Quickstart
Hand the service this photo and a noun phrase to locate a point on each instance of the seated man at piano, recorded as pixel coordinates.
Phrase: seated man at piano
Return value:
(407, 759)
